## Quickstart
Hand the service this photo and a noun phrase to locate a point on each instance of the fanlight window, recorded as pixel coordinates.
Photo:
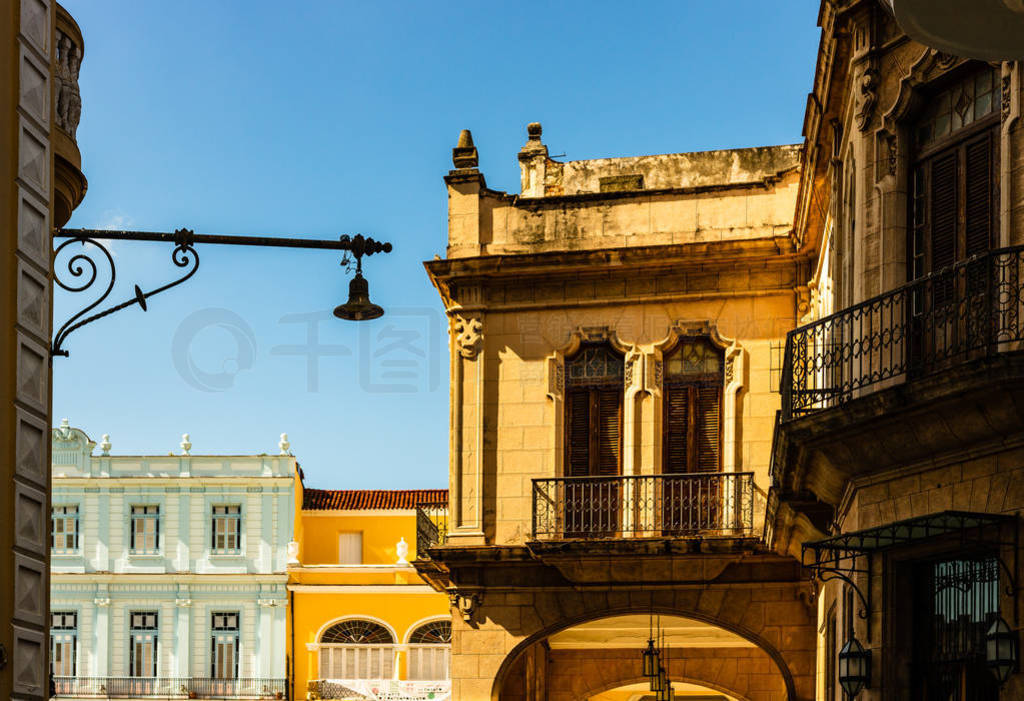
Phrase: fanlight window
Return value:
(692, 420)
(593, 421)
(358, 632)
(430, 651)
(357, 649)
(436, 633)
(970, 99)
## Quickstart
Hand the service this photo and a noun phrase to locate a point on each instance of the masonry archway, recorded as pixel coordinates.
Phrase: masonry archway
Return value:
(578, 658)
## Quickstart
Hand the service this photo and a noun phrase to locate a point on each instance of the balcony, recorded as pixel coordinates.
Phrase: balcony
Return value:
(970, 311)
(380, 689)
(431, 527)
(644, 506)
(169, 687)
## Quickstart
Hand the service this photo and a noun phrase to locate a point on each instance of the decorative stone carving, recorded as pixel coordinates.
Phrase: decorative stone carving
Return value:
(730, 370)
(402, 549)
(628, 375)
(867, 98)
(186, 444)
(63, 432)
(101, 601)
(944, 60)
(1006, 97)
(468, 335)
(465, 602)
(464, 155)
(283, 444)
(105, 444)
(659, 373)
(560, 377)
(269, 603)
(292, 552)
(69, 99)
(183, 603)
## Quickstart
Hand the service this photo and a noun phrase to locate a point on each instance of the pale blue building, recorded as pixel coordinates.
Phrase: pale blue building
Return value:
(168, 573)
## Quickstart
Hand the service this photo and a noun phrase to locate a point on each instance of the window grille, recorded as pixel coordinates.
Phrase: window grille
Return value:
(226, 529)
(357, 649)
(224, 646)
(430, 651)
(143, 639)
(145, 530)
(63, 643)
(957, 601)
(64, 533)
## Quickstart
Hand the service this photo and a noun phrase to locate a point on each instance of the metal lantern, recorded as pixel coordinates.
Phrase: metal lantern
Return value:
(658, 681)
(651, 660)
(665, 693)
(854, 667)
(1001, 649)
(358, 307)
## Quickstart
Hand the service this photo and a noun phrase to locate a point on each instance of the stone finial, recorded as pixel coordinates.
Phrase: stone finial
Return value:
(105, 444)
(64, 431)
(283, 444)
(534, 130)
(402, 548)
(464, 154)
(292, 552)
(186, 444)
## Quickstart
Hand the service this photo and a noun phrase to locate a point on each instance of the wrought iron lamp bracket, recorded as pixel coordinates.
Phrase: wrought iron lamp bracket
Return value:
(83, 272)
(844, 566)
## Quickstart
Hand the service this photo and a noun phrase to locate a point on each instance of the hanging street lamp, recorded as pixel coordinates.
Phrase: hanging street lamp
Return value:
(83, 272)
(1001, 650)
(854, 667)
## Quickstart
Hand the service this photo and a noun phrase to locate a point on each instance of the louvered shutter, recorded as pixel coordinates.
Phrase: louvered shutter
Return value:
(577, 438)
(676, 429)
(607, 434)
(943, 206)
(708, 426)
(978, 193)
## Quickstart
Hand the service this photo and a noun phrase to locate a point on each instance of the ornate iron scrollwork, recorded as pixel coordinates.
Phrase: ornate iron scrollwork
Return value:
(82, 266)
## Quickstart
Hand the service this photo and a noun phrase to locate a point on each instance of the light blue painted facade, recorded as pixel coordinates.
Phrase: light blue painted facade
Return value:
(186, 580)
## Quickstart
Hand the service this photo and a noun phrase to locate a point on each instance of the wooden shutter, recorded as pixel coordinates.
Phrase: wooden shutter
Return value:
(978, 191)
(607, 432)
(577, 433)
(708, 427)
(943, 207)
(676, 429)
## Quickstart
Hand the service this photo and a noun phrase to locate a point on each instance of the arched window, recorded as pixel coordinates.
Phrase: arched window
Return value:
(692, 421)
(594, 391)
(357, 649)
(954, 176)
(430, 651)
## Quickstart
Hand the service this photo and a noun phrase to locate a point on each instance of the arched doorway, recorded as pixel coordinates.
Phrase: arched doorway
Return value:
(599, 659)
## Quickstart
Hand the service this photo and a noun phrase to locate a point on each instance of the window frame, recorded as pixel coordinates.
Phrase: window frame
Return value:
(144, 517)
(225, 634)
(62, 629)
(692, 385)
(65, 517)
(230, 520)
(142, 632)
(593, 390)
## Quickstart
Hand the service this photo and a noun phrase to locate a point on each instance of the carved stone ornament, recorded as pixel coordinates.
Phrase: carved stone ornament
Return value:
(730, 370)
(469, 333)
(944, 60)
(1006, 97)
(183, 603)
(868, 89)
(465, 602)
(101, 601)
(629, 372)
(560, 377)
(69, 99)
(659, 373)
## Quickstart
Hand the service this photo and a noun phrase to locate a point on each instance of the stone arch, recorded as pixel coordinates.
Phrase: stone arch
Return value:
(675, 678)
(733, 624)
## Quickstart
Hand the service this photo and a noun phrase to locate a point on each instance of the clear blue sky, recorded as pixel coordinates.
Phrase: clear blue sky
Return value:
(323, 118)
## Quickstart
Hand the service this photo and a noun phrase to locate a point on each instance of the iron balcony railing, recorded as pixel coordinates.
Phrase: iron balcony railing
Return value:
(970, 310)
(170, 687)
(644, 506)
(431, 526)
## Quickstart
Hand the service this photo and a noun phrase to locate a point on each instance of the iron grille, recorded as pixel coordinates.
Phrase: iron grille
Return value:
(170, 687)
(431, 527)
(639, 506)
(970, 310)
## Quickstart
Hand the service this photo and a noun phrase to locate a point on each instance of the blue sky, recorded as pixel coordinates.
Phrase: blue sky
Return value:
(322, 118)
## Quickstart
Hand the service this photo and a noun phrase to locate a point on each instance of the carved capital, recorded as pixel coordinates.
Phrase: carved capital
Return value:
(101, 601)
(183, 603)
(465, 602)
(469, 335)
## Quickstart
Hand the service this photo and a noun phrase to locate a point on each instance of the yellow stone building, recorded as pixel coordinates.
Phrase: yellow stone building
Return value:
(362, 624)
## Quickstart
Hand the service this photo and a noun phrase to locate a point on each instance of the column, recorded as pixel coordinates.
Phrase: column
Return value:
(183, 633)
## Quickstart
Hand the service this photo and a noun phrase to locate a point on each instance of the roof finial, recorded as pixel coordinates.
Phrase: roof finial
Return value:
(186, 444)
(464, 154)
(105, 444)
(283, 444)
(534, 130)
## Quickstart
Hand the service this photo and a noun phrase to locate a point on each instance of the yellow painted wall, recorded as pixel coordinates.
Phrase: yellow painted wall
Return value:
(381, 532)
(322, 592)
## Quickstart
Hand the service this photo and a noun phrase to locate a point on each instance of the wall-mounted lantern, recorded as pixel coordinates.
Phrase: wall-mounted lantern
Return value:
(1001, 650)
(854, 667)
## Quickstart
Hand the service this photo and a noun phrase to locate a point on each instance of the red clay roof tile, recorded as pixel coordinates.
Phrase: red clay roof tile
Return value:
(353, 499)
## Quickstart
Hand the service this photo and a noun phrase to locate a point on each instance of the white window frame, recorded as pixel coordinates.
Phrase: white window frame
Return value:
(143, 635)
(64, 634)
(226, 518)
(144, 514)
(65, 514)
(225, 632)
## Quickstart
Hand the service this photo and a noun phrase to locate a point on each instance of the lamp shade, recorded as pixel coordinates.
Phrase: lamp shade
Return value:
(1001, 650)
(358, 307)
(854, 667)
(651, 660)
